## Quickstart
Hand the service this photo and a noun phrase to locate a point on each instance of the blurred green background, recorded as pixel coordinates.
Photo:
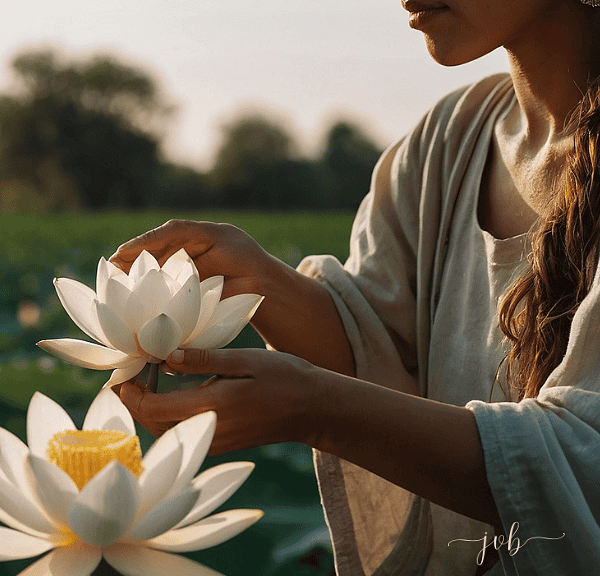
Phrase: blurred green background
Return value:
(89, 132)
(82, 170)
(291, 539)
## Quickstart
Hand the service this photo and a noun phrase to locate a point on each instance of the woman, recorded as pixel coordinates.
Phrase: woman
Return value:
(385, 365)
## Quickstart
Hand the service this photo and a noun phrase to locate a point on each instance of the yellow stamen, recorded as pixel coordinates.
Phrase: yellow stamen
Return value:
(83, 453)
(65, 538)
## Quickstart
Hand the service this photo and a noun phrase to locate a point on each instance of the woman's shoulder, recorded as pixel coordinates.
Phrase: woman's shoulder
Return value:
(456, 117)
(453, 123)
(481, 89)
(443, 135)
(470, 104)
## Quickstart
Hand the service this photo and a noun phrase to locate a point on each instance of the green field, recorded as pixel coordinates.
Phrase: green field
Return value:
(290, 540)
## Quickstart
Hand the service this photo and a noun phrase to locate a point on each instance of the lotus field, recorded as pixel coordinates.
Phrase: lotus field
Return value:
(291, 538)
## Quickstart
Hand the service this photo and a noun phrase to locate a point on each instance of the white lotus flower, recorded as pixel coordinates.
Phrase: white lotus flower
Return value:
(143, 316)
(85, 494)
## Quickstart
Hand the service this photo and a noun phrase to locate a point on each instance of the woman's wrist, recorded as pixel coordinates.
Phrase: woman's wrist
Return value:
(298, 316)
(313, 402)
(436, 449)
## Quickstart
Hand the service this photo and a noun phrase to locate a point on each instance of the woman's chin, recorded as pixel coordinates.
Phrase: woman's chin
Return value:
(450, 55)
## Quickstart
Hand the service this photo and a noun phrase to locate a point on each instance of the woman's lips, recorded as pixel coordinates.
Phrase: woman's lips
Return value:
(421, 13)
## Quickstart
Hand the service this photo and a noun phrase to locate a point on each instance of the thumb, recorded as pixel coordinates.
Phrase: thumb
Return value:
(228, 362)
(131, 395)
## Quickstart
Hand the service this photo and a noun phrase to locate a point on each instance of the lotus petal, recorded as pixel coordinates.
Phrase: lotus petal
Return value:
(161, 465)
(180, 267)
(16, 545)
(187, 270)
(153, 291)
(160, 336)
(106, 506)
(184, 306)
(142, 265)
(45, 418)
(22, 513)
(77, 300)
(101, 279)
(13, 463)
(208, 532)
(231, 315)
(116, 272)
(117, 333)
(217, 336)
(121, 375)
(195, 434)
(106, 271)
(211, 290)
(238, 306)
(15, 467)
(74, 560)
(55, 488)
(4, 477)
(173, 285)
(216, 485)
(107, 412)
(141, 561)
(135, 315)
(164, 515)
(116, 296)
(86, 354)
(8, 520)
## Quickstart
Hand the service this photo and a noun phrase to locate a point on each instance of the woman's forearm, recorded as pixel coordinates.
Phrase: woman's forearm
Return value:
(429, 448)
(299, 316)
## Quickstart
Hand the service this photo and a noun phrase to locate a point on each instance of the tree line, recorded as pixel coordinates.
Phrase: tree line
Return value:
(88, 134)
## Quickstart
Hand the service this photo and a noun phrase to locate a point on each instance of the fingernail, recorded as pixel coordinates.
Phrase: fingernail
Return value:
(164, 368)
(177, 357)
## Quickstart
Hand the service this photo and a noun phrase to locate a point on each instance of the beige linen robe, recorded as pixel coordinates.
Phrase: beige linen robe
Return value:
(386, 294)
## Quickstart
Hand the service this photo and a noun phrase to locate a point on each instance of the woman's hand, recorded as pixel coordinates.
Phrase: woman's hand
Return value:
(260, 397)
(297, 311)
(216, 249)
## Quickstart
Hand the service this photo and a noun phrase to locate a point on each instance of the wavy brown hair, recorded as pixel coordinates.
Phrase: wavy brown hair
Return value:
(536, 312)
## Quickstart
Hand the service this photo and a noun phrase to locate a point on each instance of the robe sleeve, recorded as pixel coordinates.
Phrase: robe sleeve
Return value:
(366, 515)
(383, 294)
(542, 460)
(375, 290)
(377, 527)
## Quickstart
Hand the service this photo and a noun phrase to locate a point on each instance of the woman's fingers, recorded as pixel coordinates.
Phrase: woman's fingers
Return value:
(260, 397)
(159, 412)
(163, 241)
(224, 362)
(126, 254)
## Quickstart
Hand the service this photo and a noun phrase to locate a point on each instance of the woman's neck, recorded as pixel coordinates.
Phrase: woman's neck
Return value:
(551, 64)
(551, 67)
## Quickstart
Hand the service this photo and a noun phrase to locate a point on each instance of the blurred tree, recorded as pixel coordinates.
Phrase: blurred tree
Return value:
(348, 162)
(257, 167)
(180, 187)
(80, 133)
(101, 84)
(250, 143)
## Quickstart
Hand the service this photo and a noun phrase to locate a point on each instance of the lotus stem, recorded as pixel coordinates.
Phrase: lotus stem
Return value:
(148, 377)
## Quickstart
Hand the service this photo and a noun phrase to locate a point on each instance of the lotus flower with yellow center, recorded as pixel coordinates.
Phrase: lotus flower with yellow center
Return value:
(87, 494)
(143, 316)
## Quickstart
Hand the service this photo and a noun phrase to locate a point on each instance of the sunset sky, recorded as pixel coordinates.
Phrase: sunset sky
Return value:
(307, 62)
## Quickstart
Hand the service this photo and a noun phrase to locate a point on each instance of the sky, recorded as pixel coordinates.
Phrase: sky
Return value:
(307, 63)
